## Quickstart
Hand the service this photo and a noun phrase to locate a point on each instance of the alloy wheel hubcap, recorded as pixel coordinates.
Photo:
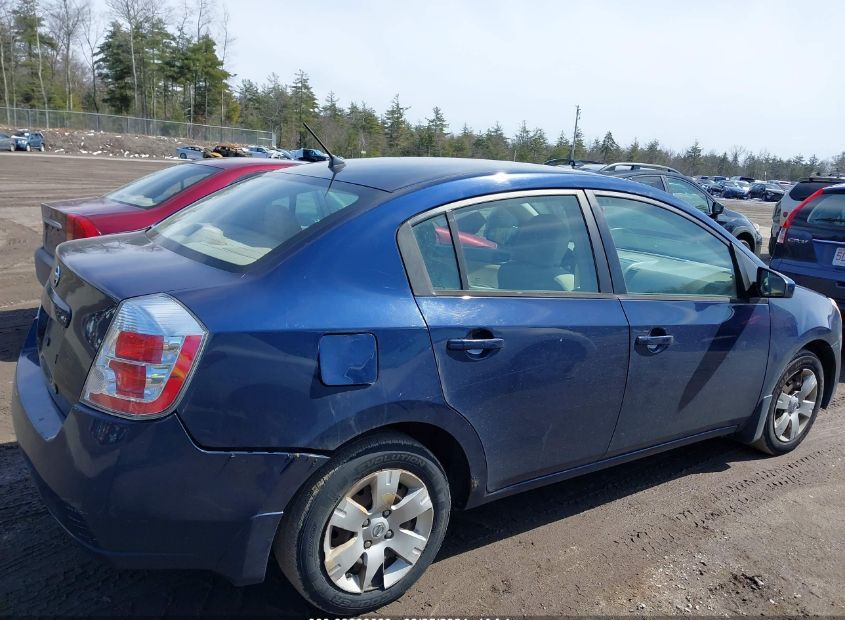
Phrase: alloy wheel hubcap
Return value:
(377, 531)
(795, 405)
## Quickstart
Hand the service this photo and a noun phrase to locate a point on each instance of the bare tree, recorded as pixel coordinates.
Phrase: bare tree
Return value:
(203, 9)
(41, 64)
(226, 41)
(91, 34)
(136, 14)
(66, 20)
(4, 21)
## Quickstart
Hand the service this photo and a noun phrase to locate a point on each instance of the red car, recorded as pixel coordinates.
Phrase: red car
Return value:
(142, 203)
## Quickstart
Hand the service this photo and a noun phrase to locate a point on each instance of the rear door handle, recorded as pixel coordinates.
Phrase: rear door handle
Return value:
(655, 341)
(474, 344)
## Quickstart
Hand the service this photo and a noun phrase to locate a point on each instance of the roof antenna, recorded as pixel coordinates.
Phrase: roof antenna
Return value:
(336, 163)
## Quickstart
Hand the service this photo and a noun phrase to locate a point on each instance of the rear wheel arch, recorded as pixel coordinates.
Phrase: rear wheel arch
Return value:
(458, 451)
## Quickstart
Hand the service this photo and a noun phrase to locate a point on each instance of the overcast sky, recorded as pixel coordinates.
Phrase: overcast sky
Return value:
(758, 73)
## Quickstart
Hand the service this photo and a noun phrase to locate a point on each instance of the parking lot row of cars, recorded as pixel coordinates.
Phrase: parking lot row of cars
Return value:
(191, 151)
(23, 140)
(744, 187)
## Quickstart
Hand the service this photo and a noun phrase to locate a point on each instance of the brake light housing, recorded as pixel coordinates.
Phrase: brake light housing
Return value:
(784, 230)
(79, 227)
(146, 360)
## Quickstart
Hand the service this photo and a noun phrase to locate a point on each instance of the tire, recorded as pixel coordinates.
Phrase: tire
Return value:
(306, 533)
(42, 148)
(182, 156)
(780, 439)
(746, 244)
(28, 148)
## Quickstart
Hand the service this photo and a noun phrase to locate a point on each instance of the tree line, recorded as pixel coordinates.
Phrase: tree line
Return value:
(167, 60)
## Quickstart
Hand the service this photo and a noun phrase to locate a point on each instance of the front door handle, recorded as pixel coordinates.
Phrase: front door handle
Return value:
(474, 344)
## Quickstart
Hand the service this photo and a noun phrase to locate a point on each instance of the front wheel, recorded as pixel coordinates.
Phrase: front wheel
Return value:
(42, 148)
(795, 404)
(357, 538)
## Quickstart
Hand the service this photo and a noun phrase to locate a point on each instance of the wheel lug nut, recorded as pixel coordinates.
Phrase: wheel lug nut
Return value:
(367, 544)
(349, 575)
(385, 514)
(366, 523)
(389, 534)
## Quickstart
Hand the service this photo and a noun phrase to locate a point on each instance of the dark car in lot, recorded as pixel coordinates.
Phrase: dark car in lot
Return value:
(735, 189)
(694, 195)
(767, 192)
(712, 187)
(303, 363)
(139, 204)
(26, 140)
(810, 246)
(309, 155)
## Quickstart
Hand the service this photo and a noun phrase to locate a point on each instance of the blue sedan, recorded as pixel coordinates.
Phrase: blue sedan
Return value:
(321, 363)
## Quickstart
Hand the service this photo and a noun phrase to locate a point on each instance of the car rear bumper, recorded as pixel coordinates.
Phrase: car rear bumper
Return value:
(142, 494)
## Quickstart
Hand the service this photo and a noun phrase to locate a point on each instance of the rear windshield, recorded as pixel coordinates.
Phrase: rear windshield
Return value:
(803, 190)
(828, 210)
(239, 225)
(153, 189)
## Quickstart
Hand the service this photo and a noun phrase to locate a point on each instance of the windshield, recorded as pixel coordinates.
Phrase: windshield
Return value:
(243, 223)
(152, 190)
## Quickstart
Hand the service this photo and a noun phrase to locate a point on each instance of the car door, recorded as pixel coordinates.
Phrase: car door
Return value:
(698, 348)
(530, 342)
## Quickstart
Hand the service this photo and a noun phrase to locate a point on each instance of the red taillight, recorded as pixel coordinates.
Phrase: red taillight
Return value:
(146, 358)
(784, 230)
(79, 227)
(139, 347)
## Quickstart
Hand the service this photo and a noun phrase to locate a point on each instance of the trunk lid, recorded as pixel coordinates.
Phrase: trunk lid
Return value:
(79, 302)
(54, 216)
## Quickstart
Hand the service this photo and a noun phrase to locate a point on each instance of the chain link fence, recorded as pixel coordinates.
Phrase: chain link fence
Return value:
(132, 125)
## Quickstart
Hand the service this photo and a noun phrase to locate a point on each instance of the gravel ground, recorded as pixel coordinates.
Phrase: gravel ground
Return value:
(711, 529)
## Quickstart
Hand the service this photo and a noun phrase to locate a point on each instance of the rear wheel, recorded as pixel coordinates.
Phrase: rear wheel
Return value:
(28, 148)
(795, 404)
(361, 535)
(41, 148)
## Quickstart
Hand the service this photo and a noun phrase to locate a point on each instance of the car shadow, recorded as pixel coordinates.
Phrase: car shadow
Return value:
(42, 571)
(14, 326)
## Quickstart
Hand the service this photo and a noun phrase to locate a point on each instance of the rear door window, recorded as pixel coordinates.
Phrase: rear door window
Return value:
(525, 244)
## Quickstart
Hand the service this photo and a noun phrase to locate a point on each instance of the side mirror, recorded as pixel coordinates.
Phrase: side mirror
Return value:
(773, 284)
(717, 209)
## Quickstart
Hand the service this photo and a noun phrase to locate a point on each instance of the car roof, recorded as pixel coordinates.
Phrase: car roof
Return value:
(392, 174)
(645, 172)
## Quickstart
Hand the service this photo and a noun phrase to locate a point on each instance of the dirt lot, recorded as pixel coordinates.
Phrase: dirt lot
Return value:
(711, 529)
